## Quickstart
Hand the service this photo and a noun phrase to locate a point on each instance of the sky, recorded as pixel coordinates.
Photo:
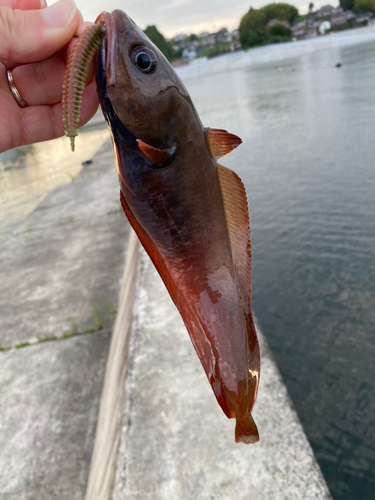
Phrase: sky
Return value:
(173, 17)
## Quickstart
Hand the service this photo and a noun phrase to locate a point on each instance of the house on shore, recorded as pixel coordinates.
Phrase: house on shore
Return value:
(328, 18)
(272, 22)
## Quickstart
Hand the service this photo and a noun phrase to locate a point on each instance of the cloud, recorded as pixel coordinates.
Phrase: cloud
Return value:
(179, 16)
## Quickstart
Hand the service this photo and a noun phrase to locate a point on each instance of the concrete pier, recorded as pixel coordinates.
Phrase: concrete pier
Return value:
(154, 429)
(60, 277)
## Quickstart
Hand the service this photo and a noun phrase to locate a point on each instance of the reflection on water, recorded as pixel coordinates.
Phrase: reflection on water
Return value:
(308, 165)
(27, 174)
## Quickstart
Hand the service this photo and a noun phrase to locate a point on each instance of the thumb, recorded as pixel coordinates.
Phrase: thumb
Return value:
(34, 35)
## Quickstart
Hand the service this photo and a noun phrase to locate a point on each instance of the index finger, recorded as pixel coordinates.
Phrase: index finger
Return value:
(34, 35)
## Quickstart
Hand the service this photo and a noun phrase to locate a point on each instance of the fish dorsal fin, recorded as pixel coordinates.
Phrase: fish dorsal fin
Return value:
(237, 216)
(221, 142)
(155, 155)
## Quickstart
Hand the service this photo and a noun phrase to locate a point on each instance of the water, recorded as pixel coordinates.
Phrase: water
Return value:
(308, 166)
(27, 174)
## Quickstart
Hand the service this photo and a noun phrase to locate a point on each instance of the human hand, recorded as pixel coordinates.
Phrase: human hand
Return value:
(35, 41)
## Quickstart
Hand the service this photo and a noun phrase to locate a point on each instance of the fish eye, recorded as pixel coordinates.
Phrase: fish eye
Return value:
(144, 59)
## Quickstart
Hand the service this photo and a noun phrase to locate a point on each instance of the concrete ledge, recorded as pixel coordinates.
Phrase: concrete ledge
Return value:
(49, 399)
(65, 259)
(103, 463)
(60, 281)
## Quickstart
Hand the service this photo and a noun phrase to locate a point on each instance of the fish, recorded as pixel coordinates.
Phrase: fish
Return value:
(189, 212)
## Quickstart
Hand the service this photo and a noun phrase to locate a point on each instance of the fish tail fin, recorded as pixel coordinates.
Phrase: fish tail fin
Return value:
(246, 431)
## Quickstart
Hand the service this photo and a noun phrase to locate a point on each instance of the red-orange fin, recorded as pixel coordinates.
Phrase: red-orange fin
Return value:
(221, 142)
(246, 431)
(238, 222)
(237, 216)
(177, 293)
(155, 155)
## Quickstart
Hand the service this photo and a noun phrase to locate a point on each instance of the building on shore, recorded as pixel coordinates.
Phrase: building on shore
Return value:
(324, 26)
(201, 45)
(272, 22)
(325, 11)
(328, 19)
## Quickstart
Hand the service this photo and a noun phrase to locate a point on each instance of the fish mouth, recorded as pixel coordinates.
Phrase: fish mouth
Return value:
(113, 22)
(106, 76)
(111, 44)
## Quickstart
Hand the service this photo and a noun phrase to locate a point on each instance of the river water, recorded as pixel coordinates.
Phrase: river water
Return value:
(308, 165)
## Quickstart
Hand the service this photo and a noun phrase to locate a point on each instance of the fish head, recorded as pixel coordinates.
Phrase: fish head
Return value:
(139, 86)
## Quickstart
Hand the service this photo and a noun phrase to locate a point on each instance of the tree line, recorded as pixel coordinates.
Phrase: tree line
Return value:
(253, 26)
(358, 6)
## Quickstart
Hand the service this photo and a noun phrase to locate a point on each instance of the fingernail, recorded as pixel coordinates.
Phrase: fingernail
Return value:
(43, 4)
(59, 14)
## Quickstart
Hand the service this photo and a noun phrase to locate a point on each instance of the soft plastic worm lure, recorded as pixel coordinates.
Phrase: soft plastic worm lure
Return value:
(75, 77)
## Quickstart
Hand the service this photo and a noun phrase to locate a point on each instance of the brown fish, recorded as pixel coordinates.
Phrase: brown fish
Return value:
(189, 212)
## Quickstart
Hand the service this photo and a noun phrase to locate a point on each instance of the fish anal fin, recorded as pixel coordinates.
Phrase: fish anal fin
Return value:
(238, 222)
(221, 142)
(178, 295)
(155, 155)
(246, 431)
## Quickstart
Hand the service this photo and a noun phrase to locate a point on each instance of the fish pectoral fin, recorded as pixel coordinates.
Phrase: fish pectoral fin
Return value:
(221, 142)
(158, 157)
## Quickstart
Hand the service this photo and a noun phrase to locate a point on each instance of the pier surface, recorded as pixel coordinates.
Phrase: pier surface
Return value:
(60, 278)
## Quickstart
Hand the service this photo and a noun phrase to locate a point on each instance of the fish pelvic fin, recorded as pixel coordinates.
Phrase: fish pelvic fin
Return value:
(221, 142)
(246, 431)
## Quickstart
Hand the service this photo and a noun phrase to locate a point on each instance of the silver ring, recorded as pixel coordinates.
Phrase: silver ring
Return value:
(12, 86)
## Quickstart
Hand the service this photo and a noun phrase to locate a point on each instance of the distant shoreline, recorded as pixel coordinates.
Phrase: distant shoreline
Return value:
(275, 52)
